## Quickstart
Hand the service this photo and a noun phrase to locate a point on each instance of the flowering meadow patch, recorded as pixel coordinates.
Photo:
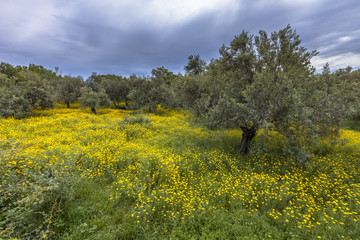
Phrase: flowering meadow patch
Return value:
(170, 171)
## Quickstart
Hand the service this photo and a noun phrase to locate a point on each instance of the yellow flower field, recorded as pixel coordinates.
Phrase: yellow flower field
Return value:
(173, 170)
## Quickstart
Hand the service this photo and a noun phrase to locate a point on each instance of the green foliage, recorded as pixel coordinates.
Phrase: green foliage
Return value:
(330, 99)
(117, 89)
(25, 88)
(94, 81)
(38, 91)
(141, 93)
(195, 65)
(267, 82)
(6, 81)
(13, 103)
(352, 125)
(187, 91)
(69, 89)
(9, 70)
(159, 89)
(92, 99)
(31, 203)
(43, 72)
(165, 91)
(351, 83)
(12, 100)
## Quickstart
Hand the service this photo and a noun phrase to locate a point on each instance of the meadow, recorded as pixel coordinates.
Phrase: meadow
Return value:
(70, 174)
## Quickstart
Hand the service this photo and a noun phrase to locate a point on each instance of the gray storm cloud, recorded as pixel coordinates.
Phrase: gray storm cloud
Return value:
(125, 37)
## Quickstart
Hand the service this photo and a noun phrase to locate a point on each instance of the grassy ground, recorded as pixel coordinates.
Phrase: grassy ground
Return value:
(68, 174)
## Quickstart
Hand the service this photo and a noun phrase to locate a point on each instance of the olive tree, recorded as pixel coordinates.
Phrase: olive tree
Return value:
(149, 92)
(93, 99)
(141, 93)
(69, 89)
(117, 89)
(262, 81)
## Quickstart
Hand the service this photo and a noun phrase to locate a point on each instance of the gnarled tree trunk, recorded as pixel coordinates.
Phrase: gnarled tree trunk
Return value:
(247, 137)
(116, 104)
(93, 110)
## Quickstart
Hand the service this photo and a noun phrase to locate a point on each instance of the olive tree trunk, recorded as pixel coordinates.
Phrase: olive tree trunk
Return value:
(247, 136)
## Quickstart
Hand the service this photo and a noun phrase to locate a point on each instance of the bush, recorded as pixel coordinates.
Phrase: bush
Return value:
(31, 200)
(13, 103)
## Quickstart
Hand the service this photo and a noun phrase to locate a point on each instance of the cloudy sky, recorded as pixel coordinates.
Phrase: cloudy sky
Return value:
(134, 36)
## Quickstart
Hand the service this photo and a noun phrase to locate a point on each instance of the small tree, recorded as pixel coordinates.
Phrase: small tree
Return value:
(92, 99)
(69, 89)
(150, 92)
(117, 89)
(162, 87)
(141, 93)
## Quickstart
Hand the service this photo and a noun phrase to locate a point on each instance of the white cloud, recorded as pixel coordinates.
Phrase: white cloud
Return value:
(180, 11)
(334, 41)
(345, 39)
(22, 22)
(264, 3)
(26, 20)
(157, 13)
(337, 61)
(301, 2)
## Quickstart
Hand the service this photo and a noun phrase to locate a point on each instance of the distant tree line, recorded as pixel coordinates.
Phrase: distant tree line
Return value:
(262, 81)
